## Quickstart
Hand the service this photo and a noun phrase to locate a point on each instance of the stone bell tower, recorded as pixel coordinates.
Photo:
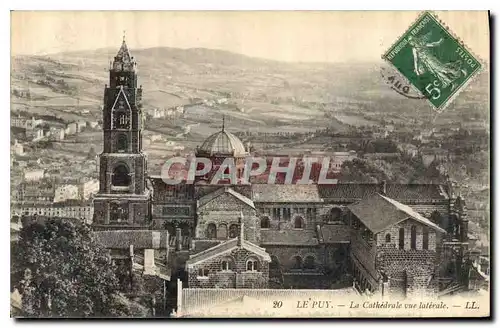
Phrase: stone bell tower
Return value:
(123, 199)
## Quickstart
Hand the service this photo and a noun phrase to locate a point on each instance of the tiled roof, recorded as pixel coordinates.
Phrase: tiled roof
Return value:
(335, 233)
(209, 197)
(122, 239)
(226, 247)
(280, 193)
(289, 237)
(378, 212)
(395, 191)
(202, 245)
(196, 301)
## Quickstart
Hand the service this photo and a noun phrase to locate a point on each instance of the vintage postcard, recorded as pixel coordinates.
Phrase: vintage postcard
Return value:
(190, 164)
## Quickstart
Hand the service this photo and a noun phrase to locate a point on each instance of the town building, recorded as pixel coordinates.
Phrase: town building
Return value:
(34, 134)
(17, 148)
(71, 128)
(33, 175)
(66, 191)
(88, 188)
(57, 133)
(73, 209)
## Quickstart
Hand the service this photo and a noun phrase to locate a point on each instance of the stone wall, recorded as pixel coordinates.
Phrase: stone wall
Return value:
(286, 254)
(237, 277)
(224, 211)
(409, 270)
(394, 233)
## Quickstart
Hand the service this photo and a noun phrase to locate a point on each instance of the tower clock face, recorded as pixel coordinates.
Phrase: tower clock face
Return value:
(121, 120)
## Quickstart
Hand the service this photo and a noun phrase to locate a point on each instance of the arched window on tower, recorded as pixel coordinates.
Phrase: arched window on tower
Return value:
(265, 223)
(388, 238)
(401, 238)
(122, 143)
(413, 241)
(121, 177)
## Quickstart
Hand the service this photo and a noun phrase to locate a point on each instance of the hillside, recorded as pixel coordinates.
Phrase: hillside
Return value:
(262, 94)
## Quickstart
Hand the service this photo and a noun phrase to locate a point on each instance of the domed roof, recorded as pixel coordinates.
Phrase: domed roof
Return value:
(222, 143)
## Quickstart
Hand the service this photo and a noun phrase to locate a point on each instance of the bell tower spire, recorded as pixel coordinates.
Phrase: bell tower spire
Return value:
(122, 200)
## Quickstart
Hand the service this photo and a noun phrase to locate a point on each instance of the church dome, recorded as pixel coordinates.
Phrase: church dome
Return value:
(222, 143)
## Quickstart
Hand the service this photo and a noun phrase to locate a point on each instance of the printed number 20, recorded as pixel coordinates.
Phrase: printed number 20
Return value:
(434, 92)
(277, 304)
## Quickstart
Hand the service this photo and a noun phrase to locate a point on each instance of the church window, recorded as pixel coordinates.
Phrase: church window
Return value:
(233, 231)
(252, 265)
(211, 231)
(121, 177)
(265, 223)
(413, 241)
(388, 238)
(222, 231)
(401, 238)
(297, 263)
(425, 238)
(122, 143)
(298, 223)
(309, 262)
(227, 264)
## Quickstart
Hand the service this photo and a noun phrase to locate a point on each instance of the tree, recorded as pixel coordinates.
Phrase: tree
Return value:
(63, 272)
(359, 170)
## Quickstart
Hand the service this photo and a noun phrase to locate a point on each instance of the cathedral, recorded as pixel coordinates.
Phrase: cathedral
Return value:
(388, 238)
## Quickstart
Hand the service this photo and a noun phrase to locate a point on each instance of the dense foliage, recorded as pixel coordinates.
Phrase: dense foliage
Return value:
(62, 272)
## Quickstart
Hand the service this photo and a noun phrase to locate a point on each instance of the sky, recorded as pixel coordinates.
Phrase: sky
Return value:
(293, 36)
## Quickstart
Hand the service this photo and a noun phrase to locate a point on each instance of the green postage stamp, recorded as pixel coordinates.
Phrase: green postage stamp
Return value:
(433, 60)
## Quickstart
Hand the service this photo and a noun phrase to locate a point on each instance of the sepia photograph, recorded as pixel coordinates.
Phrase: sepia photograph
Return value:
(250, 164)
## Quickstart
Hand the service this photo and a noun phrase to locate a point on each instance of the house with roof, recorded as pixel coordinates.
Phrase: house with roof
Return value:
(393, 247)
